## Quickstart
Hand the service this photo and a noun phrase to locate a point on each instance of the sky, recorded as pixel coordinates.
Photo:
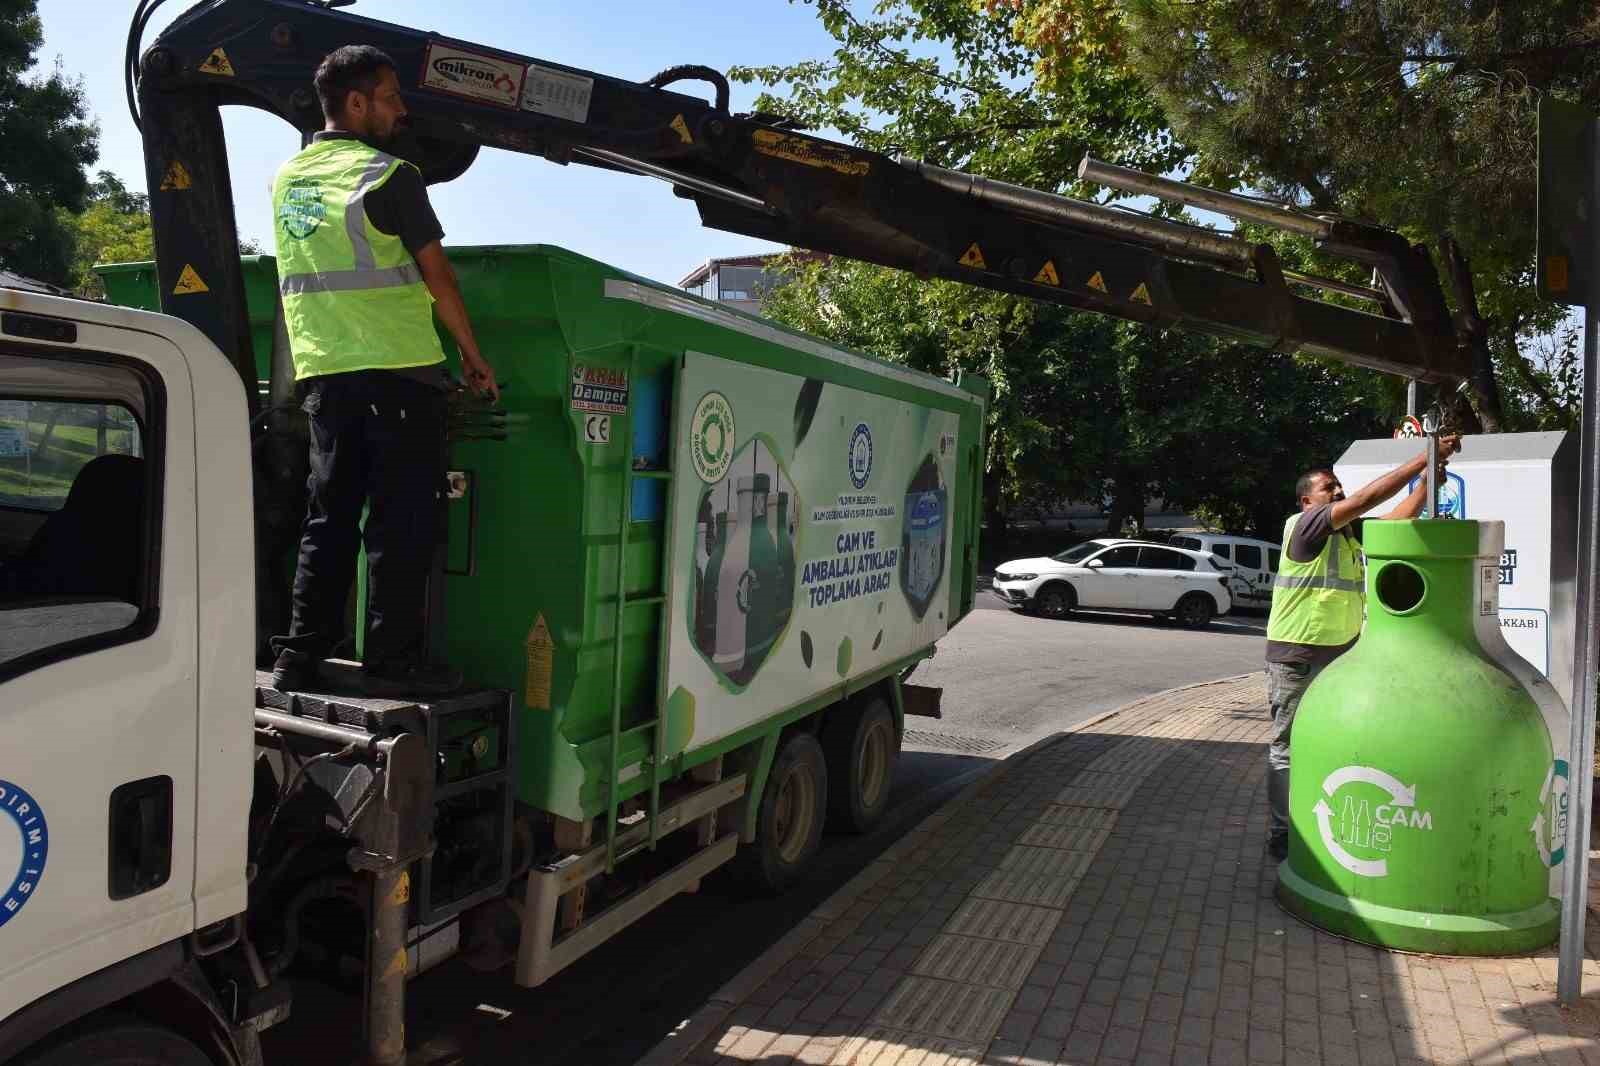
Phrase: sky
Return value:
(632, 222)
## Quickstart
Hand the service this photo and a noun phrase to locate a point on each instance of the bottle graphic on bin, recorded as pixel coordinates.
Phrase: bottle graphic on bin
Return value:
(732, 562)
(922, 537)
(758, 586)
(714, 533)
(784, 593)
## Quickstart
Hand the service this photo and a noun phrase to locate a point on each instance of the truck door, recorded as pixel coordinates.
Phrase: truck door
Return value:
(98, 646)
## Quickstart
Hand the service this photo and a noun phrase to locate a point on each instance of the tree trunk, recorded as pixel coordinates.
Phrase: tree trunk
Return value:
(1474, 334)
(1127, 502)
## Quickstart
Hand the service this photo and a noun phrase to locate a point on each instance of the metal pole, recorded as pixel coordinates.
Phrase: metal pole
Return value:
(1430, 429)
(386, 965)
(1411, 397)
(1580, 784)
(1224, 203)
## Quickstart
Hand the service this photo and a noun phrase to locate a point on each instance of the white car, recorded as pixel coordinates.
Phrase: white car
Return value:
(1120, 575)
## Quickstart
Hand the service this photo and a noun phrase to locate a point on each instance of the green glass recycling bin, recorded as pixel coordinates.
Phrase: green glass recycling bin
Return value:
(1416, 765)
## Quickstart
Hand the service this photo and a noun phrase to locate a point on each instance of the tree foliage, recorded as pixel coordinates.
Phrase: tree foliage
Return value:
(1085, 408)
(113, 228)
(1416, 114)
(46, 143)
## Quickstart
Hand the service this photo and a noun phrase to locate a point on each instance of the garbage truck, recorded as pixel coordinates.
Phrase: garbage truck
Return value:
(688, 560)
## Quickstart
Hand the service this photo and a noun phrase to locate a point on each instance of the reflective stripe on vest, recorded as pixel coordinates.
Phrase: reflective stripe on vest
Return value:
(1317, 602)
(353, 297)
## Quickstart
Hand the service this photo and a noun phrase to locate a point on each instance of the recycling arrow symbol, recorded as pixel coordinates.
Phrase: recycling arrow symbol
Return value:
(1400, 796)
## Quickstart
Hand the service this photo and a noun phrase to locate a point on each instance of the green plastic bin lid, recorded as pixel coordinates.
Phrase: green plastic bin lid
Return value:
(1420, 538)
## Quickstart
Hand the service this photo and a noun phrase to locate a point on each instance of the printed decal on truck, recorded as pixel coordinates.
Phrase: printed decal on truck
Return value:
(476, 76)
(24, 846)
(557, 93)
(814, 544)
(601, 389)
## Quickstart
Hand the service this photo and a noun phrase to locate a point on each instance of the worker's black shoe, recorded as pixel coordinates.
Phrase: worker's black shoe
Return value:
(1278, 848)
(293, 671)
(409, 677)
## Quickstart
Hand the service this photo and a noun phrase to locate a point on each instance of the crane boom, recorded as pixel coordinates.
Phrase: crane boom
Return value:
(755, 175)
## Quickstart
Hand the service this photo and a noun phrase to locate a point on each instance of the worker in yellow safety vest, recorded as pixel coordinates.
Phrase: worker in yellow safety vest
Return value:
(1317, 599)
(361, 273)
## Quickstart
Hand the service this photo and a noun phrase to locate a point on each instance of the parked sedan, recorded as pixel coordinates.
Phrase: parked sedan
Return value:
(1120, 575)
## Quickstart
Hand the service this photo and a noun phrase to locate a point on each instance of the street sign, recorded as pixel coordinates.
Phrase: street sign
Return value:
(1566, 233)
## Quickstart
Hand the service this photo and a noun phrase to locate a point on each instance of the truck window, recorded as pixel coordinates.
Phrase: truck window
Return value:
(77, 510)
(1223, 549)
(1248, 556)
(1273, 555)
(45, 443)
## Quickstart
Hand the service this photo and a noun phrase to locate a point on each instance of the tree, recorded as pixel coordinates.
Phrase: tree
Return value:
(45, 145)
(1291, 98)
(113, 228)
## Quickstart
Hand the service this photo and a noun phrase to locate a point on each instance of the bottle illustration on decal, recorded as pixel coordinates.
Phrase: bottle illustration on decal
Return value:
(745, 578)
(922, 539)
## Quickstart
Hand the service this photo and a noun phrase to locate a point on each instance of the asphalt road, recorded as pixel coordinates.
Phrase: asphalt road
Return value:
(1008, 680)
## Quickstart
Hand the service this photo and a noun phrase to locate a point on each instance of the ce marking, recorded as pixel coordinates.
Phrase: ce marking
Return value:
(597, 429)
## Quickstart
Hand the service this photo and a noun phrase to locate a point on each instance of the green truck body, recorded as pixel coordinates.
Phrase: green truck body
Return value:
(699, 528)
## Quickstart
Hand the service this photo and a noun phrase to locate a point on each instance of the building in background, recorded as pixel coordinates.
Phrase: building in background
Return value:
(738, 281)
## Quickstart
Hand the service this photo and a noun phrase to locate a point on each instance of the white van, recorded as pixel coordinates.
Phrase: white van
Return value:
(1255, 562)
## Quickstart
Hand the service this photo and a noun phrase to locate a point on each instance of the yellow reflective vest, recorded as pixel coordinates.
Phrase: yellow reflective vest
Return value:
(353, 298)
(1318, 602)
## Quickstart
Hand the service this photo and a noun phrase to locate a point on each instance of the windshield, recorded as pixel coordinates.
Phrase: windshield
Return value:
(1078, 554)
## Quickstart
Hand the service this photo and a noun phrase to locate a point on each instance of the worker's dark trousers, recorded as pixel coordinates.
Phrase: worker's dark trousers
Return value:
(377, 439)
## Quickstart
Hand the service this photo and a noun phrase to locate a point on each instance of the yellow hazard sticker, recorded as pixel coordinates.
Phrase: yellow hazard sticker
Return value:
(1096, 282)
(1555, 273)
(177, 177)
(1047, 274)
(1141, 294)
(217, 63)
(189, 282)
(681, 128)
(402, 890)
(541, 652)
(973, 257)
(808, 152)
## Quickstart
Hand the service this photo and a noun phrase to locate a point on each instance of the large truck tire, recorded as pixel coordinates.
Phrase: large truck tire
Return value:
(862, 749)
(789, 823)
(124, 1041)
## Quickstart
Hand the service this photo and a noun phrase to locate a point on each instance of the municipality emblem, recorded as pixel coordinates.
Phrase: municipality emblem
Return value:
(24, 846)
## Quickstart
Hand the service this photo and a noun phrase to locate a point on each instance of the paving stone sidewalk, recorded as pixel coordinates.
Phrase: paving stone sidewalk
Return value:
(1104, 898)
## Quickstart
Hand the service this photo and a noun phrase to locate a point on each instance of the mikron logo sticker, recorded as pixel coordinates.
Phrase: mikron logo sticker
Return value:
(480, 77)
(24, 847)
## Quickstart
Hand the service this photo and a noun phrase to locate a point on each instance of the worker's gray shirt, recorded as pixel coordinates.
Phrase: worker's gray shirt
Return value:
(1310, 537)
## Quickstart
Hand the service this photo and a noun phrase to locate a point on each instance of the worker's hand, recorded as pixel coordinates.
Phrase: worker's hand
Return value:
(480, 376)
(1448, 446)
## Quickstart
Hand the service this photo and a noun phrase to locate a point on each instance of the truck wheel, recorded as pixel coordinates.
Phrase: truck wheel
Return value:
(1194, 611)
(789, 825)
(861, 749)
(122, 1042)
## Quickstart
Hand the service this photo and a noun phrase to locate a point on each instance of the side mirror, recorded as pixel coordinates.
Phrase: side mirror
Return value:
(1097, 563)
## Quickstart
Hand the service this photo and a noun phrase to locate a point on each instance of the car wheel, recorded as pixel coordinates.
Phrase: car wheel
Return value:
(1195, 611)
(1055, 601)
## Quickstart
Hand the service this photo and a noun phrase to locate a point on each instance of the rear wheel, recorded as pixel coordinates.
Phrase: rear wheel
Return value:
(122, 1042)
(861, 749)
(1195, 611)
(789, 823)
(1055, 601)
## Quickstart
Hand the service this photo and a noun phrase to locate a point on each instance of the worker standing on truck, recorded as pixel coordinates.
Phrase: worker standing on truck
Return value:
(1317, 600)
(361, 272)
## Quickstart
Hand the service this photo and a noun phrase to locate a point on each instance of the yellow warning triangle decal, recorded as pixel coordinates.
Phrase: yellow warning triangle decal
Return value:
(189, 282)
(682, 129)
(217, 63)
(1141, 294)
(973, 257)
(177, 177)
(1097, 283)
(1047, 274)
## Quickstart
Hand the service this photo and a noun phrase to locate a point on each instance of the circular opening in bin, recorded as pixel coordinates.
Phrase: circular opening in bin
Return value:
(1401, 588)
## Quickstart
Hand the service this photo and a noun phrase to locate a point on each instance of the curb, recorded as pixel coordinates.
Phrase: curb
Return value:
(679, 1044)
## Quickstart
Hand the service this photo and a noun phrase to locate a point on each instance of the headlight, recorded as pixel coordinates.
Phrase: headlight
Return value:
(1018, 577)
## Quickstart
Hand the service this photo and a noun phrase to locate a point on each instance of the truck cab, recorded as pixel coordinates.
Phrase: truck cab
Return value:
(126, 647)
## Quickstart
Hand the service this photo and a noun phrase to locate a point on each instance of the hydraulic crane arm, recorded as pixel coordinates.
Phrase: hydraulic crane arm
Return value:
(752, 175)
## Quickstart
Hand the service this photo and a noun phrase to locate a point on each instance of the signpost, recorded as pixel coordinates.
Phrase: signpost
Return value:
(1569, 192)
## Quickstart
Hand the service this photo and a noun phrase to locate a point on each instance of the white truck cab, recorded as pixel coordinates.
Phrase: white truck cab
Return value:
(126, 660)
